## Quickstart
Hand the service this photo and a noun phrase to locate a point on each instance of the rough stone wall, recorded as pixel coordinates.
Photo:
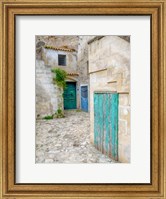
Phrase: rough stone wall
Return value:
(109, 66)
(46, 102)
(58, 41)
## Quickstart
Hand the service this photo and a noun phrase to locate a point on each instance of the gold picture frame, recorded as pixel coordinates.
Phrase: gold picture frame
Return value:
(154, 8)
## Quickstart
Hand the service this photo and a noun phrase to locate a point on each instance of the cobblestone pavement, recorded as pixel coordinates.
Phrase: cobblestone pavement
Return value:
(66, 140)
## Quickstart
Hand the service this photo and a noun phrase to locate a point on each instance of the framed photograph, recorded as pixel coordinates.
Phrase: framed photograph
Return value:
(82, 99)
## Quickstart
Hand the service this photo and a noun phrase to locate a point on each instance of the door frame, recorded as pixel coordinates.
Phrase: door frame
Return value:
(88, 95)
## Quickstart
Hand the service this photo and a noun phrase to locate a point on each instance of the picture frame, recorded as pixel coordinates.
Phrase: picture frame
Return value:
(11, 189)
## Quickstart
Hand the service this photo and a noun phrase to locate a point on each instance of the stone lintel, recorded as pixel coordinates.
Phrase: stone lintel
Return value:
(96, 71)
(95, 39)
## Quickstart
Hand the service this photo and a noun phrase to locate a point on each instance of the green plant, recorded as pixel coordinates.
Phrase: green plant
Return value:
(48, 117)
(78, 110)
(60, 77)
(59, 113)
(49, 47)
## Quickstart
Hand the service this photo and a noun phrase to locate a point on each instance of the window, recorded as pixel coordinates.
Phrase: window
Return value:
(62, 60)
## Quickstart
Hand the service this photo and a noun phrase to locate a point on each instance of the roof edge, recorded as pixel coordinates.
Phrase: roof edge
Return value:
(59, 48)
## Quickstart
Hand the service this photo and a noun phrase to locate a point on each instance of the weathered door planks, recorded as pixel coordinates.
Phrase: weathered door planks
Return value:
(106, 123)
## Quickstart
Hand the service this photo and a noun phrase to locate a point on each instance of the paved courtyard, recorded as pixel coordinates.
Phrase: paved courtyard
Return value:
(66, 140)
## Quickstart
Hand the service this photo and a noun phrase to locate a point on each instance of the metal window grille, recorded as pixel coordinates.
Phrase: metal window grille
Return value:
(62, 60)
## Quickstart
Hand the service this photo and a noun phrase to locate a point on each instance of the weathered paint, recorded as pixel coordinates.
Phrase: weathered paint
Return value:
(106, 123)
(84, 98)
(70, 96)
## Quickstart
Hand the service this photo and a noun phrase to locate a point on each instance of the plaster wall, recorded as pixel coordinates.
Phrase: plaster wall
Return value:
(50, 58)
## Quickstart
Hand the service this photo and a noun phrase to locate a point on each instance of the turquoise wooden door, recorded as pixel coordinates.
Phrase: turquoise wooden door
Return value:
(106, 123)
(70, 96)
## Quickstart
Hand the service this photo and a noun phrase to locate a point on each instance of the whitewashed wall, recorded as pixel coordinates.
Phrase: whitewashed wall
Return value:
(50, 57)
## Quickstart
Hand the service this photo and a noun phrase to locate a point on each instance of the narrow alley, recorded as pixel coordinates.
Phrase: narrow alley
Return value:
(67, 140)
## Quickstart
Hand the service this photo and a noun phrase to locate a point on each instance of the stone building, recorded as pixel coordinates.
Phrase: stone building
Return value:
(109, 69)
(95, 65)
(70, 54)
(83, 70)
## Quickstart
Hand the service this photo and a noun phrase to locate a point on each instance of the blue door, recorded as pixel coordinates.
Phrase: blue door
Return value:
(106, 123)
(84, 98)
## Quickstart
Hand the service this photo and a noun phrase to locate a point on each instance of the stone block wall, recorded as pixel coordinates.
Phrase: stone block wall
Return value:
(109, 68)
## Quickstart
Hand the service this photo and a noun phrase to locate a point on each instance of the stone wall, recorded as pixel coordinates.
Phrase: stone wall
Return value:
(82, 57)
(77, 61)
(49, 96)
(46, 102)
(109, 67)
(50, 57)
(58, 40)
(83, 63)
